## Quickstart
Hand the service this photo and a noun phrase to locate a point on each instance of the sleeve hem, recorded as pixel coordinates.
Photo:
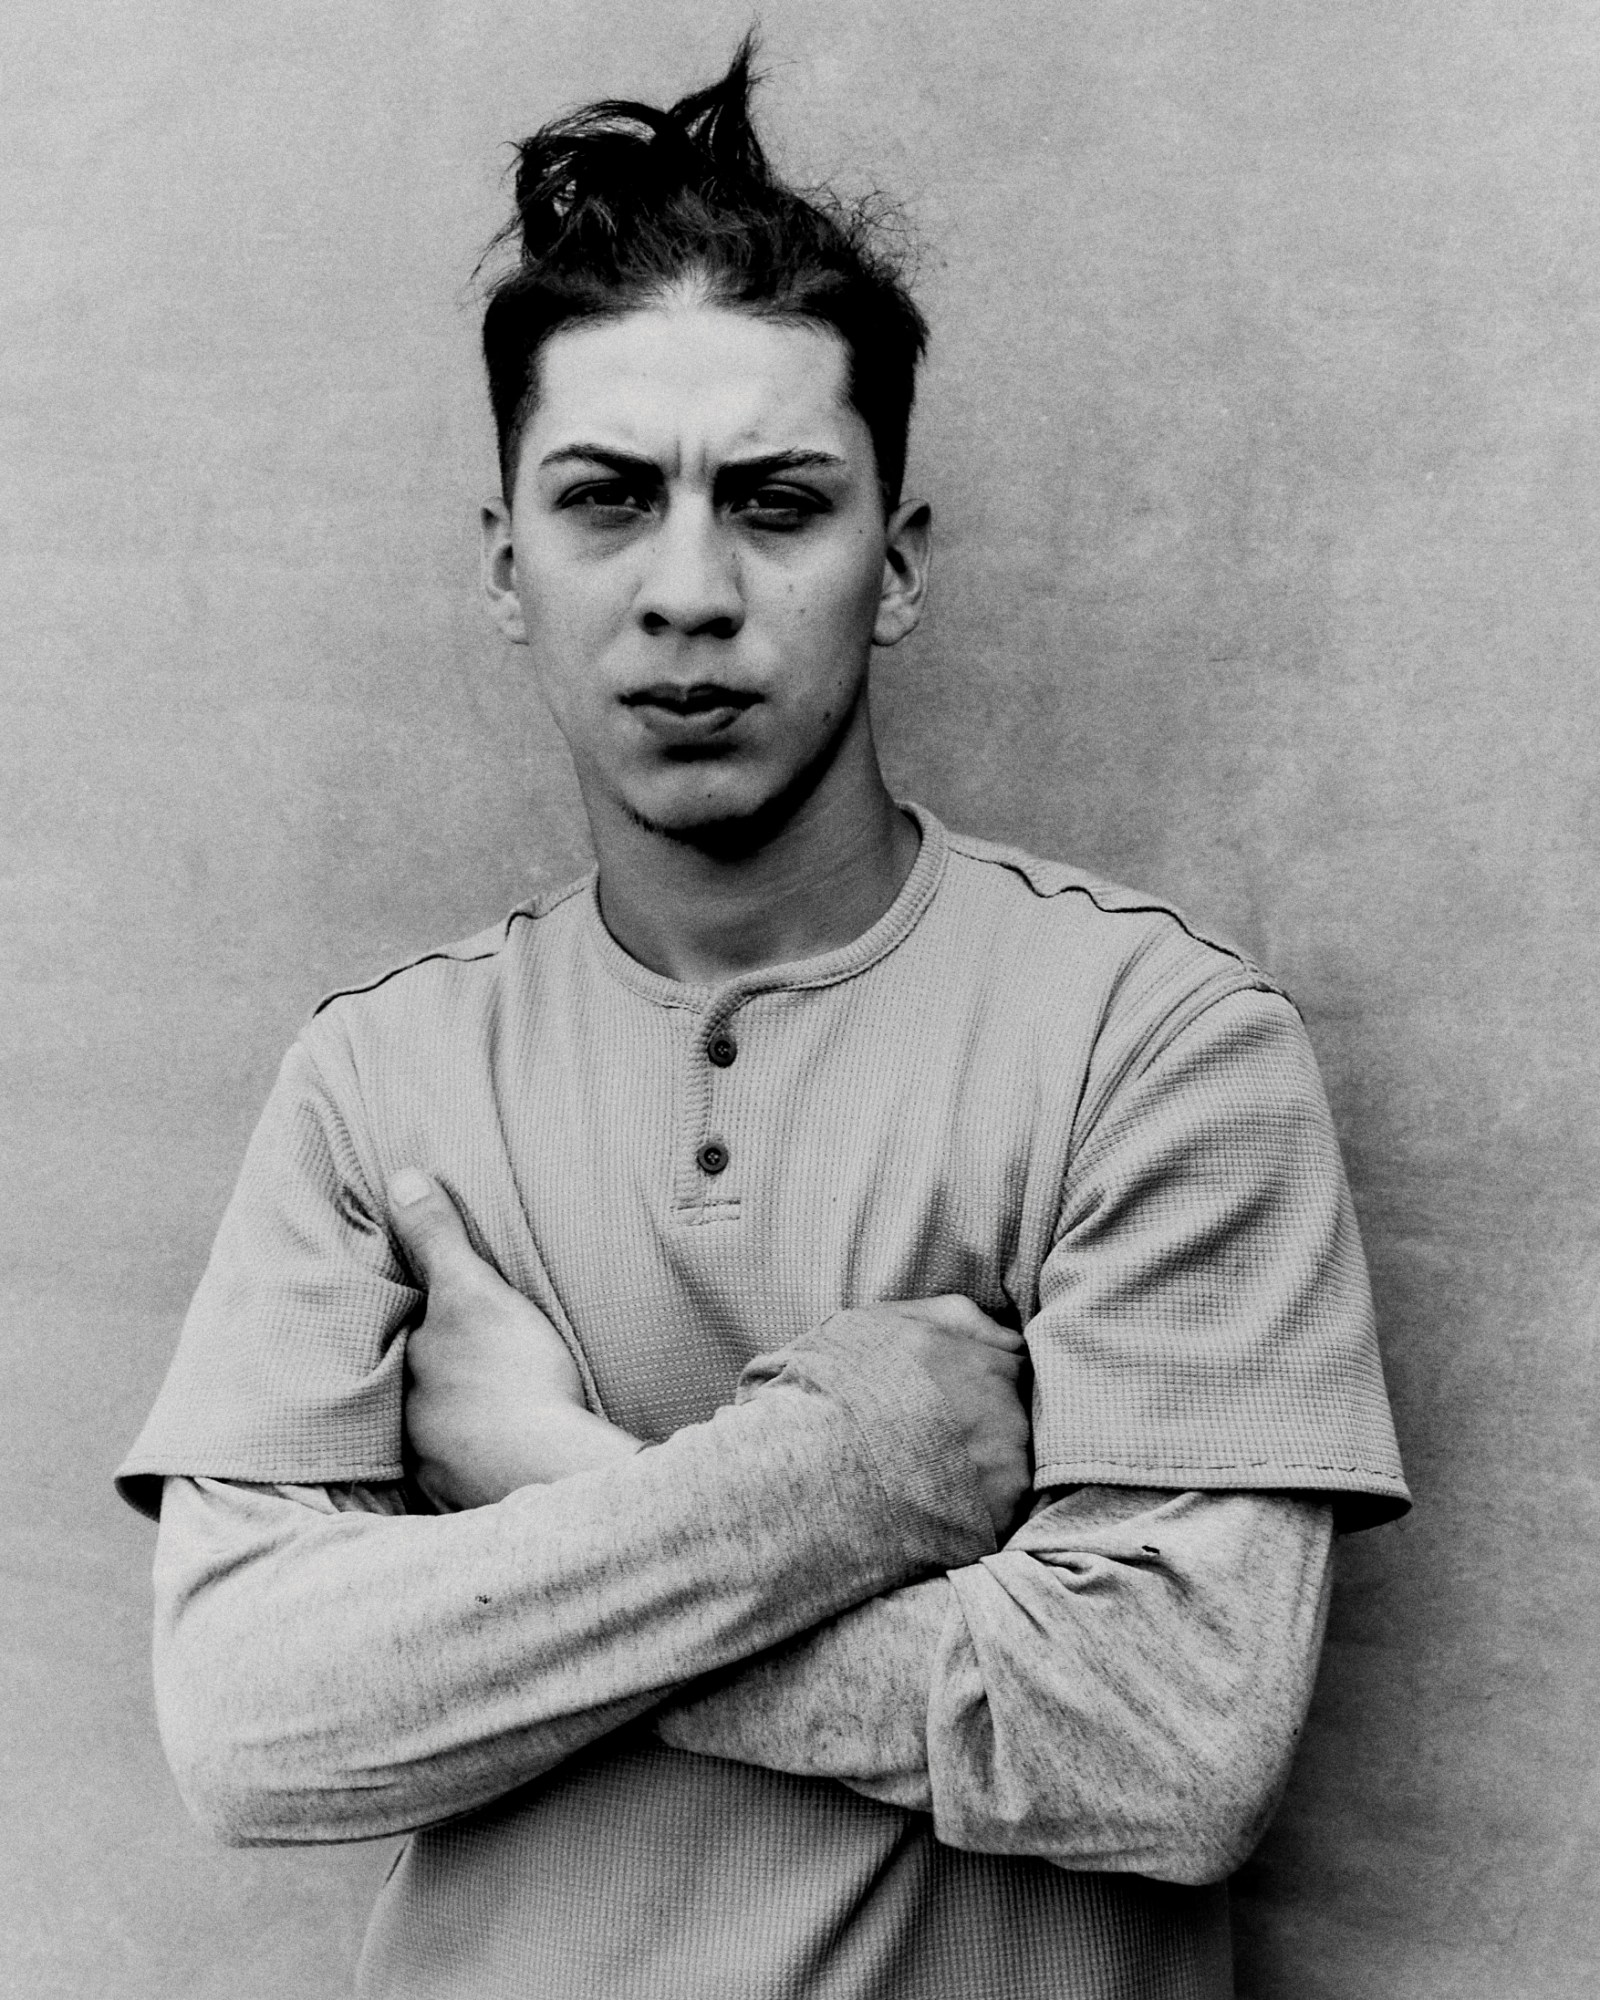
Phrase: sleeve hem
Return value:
(139, 1482)
(1361, 1496)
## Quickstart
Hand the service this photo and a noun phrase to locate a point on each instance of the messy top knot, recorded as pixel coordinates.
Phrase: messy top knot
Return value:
(620, 203)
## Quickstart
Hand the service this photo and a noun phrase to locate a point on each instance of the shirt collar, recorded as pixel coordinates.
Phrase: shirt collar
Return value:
(826, 969)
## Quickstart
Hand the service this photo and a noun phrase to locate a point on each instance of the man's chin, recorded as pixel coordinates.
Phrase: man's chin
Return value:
(724, 832)
(741, 815)
(733, 826)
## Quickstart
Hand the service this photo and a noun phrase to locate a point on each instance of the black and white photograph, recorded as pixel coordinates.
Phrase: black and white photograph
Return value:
(800, 903)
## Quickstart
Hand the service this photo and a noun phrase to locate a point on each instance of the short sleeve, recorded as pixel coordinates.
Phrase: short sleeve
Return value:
(1205, 1319)
(289, 1369)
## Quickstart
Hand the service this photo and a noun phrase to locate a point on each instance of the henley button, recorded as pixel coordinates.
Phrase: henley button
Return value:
(712, 1157)
(722, 1049)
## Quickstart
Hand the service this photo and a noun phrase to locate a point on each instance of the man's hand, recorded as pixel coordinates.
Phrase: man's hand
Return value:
(494, 1400)
(977, 1364)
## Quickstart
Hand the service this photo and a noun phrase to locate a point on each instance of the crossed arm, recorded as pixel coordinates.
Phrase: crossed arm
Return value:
(811, 1582)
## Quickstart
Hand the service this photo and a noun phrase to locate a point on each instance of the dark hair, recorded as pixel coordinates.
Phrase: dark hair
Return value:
(619, 202)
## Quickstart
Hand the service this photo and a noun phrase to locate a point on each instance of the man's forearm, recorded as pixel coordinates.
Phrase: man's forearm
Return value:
(328, 1676)
(847, 1700)
(1120, 1688)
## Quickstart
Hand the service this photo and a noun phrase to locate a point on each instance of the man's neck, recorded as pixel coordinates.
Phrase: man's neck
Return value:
(817, 884)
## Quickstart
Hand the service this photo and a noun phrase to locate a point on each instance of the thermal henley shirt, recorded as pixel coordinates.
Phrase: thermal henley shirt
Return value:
(1022, 1085)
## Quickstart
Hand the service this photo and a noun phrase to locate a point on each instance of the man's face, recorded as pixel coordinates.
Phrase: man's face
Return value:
(698, 558)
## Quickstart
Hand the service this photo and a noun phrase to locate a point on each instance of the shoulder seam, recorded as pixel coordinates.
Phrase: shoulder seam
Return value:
(457, 954)
(440, 953)
(1097, 891)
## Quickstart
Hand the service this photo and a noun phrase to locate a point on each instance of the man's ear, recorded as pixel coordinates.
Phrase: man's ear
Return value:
(500, 572)
(909, 537)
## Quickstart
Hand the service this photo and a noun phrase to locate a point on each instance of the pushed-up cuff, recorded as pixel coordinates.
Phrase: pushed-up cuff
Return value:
(865, 1363)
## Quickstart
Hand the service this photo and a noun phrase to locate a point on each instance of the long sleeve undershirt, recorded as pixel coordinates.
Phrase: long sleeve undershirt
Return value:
(330, 1675)
(807, 1583)
(1120, 1687)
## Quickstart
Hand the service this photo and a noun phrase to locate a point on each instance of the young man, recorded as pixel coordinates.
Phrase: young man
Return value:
(693, 1222)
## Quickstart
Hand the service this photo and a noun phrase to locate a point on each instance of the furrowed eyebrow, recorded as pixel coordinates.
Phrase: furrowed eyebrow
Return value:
(759, 467)
(778, 461)
(599, 454)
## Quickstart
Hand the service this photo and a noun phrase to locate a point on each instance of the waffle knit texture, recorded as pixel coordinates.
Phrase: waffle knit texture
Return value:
(1021, 1085)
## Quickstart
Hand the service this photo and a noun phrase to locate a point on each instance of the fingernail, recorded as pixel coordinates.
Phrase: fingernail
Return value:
(409, 1186)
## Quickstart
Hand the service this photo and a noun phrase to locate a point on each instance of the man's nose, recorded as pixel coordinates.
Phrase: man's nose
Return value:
(692, 584)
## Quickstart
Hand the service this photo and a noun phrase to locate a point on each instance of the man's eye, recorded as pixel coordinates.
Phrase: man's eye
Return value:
(607, 503)
(778, 508)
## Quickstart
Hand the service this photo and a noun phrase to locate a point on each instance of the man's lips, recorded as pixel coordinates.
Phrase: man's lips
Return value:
(682, 714)
(695, 699)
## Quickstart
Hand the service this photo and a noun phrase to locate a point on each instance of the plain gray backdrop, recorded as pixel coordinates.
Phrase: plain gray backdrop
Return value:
(1262, 434)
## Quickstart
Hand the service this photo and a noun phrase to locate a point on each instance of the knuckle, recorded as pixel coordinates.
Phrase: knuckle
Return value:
(938, 1307)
